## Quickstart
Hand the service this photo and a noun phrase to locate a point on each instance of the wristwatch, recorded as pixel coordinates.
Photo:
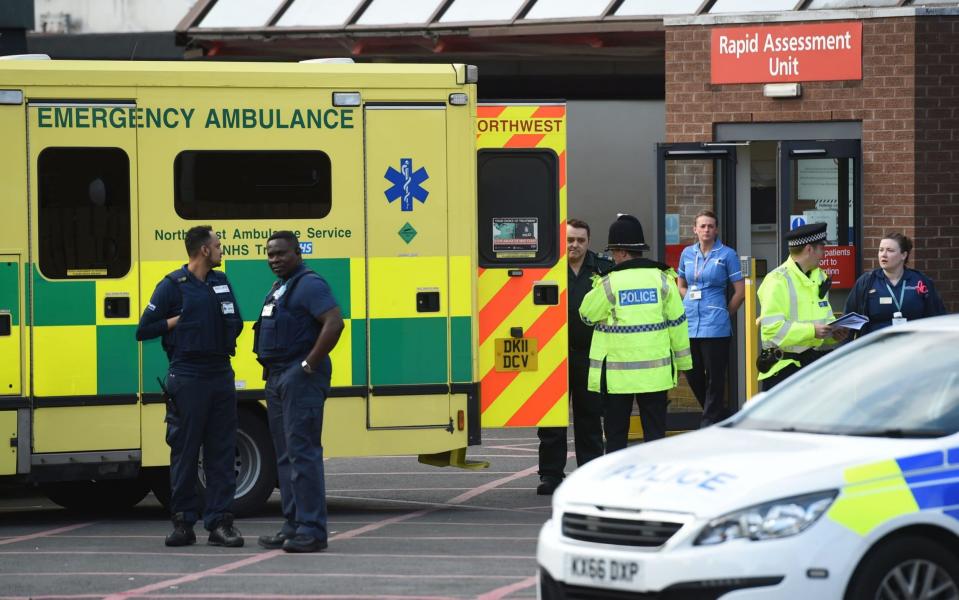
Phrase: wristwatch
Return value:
(306, 367)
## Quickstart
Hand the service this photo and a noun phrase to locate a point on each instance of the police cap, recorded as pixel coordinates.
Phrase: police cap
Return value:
(626, 233)
(814, 233)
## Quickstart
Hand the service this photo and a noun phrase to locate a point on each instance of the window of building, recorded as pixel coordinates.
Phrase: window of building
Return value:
(391, 12)
(745, 6)
(240, 13)
(518, 207)
(490, 10)
(565, 9)
(258, 184)
(820, 4)
(317, 13)
(641, 8)
(84, 212)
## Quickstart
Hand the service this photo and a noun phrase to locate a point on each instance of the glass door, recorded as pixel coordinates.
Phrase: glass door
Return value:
(821, 182)
(690, 178)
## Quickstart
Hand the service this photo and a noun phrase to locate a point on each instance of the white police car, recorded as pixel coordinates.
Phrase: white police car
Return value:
(843, 482)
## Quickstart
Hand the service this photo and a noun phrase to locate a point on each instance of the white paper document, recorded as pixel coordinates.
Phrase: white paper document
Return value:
(851, 320)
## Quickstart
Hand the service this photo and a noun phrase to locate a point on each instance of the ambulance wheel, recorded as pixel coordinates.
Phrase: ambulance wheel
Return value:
(255, 464)
(907, 567)
(103, 495)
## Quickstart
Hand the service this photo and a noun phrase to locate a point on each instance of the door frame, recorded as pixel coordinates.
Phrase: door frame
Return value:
(789, 151)
(724, 182)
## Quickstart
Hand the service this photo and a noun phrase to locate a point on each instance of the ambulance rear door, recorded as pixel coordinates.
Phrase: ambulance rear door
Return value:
(84, 276)
(521, 175)
(407, 266)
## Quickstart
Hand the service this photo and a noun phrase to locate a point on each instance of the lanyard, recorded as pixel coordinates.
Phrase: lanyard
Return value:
(697, 272)
(902, 294)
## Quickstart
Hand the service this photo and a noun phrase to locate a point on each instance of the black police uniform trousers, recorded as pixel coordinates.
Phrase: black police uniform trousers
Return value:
(707, 378)
(619, 407)
(294, 403)
(204, 415)
(587, 424)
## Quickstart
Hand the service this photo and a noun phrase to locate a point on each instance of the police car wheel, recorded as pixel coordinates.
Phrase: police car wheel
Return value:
(255, 464)
(908, 568)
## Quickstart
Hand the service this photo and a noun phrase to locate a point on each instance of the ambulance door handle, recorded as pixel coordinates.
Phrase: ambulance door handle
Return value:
(116, 307)
(546, 293)
(428, 301)
(5, 323)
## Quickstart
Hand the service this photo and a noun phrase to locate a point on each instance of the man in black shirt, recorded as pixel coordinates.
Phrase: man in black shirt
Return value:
(587, 406)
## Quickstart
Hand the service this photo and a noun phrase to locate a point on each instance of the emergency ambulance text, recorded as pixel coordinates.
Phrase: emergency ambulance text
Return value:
(137, 117)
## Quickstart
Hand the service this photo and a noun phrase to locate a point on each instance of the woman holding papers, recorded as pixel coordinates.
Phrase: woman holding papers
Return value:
(893, 294)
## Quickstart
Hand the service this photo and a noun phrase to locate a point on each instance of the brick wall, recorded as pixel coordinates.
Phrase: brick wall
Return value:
(910, 179)
(937, 153)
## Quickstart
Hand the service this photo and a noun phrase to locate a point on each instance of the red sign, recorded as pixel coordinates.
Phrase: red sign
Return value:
(673, 252)
(786, 53)
(840, 264)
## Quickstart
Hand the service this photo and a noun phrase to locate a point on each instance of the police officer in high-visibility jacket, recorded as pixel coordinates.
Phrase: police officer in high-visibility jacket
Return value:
(795, 309)
(640, 339)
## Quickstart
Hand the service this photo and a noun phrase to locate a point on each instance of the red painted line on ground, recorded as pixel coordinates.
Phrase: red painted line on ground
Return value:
(506, 590)
(231, 566)
(49, 532)
(493, 484)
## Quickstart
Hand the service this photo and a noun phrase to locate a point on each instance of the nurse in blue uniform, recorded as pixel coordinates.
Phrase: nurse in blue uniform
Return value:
(706, 269)
(894, 294)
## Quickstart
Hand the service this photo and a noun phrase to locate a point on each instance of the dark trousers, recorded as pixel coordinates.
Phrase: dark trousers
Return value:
(294, 403)
(205, 414)
(618, 407)
(771, 382)
(707, 378)
(587, 424)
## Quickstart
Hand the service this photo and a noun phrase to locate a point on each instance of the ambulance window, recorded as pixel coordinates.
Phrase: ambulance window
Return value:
(518, 207)
(84, 212)
(252, 184)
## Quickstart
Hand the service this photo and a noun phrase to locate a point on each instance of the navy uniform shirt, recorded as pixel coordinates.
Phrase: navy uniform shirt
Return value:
(289, 332)
(914, 295)
(580, 334)
(204, 338)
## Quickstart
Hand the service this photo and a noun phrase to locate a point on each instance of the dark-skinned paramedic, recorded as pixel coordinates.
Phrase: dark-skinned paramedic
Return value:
(299, 325)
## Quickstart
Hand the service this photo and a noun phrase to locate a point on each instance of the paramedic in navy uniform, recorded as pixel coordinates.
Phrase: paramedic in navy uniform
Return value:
(299, 325)
(706, 269)
(194, 309)
(893, 294)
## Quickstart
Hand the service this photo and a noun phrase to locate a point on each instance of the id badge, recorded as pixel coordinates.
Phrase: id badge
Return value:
(221, 289)
(898, 319)
(227, 308)
(695, 294)
(267, 310)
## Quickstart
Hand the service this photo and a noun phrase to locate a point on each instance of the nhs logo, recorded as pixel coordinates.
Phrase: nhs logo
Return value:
(306, 247)
(644, 296)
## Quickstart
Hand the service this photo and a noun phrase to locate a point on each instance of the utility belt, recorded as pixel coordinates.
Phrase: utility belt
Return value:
(768, 357)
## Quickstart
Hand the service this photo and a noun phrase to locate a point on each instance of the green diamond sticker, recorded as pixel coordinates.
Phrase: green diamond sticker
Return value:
(407, 233)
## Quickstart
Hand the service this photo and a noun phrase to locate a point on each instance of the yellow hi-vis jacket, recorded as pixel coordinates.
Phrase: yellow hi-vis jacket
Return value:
(639, 329)
(790, 306)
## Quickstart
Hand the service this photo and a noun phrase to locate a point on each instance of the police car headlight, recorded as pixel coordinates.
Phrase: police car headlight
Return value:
(768, 521)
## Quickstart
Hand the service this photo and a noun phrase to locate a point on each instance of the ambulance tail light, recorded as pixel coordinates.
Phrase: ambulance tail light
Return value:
(460, 420)
(347, 98)
(459, 99)
(768, 521)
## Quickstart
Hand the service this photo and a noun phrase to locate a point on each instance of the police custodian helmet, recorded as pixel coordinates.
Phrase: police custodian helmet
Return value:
(626, 233)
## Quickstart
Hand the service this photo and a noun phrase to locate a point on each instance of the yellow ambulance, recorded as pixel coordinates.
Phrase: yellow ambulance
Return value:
(105, 165)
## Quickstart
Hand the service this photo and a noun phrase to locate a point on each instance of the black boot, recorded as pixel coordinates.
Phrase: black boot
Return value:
(225, 534)
(275, 541)
(182, 534)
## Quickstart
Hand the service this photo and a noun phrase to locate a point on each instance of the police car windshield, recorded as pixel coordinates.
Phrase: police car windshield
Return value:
(901, 385)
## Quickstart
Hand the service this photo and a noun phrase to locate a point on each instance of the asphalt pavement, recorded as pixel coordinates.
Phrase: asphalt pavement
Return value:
(398, 530)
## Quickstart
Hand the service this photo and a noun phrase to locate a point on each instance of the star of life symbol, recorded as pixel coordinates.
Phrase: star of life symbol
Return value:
(406, 184)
